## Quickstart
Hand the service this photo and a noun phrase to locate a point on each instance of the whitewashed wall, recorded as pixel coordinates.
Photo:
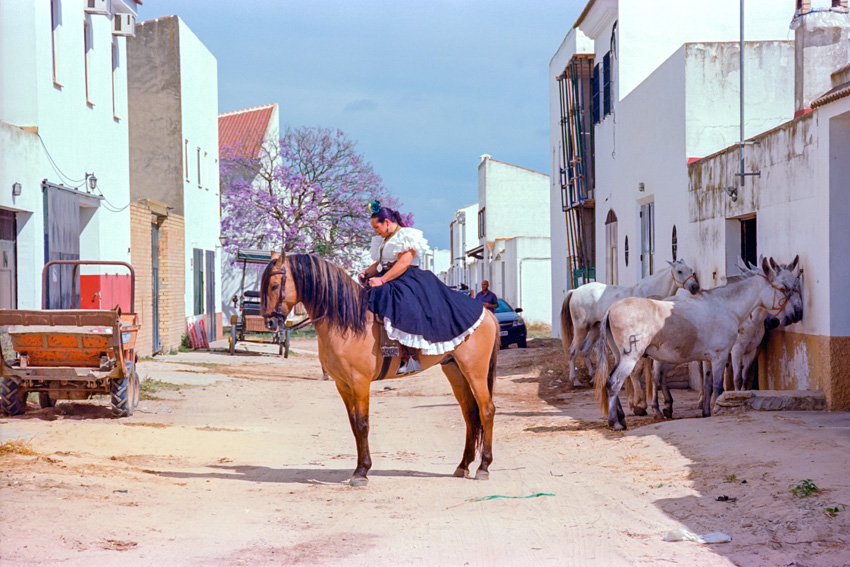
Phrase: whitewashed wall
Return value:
(527, 284)
(199, 118)
(694, 95)
(464, 236)
(81, 137)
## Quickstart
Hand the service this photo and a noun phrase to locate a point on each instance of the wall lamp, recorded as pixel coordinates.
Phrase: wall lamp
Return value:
(641, 187)
(732, 192)
(16, 189)
(91, 182)
(222, 238)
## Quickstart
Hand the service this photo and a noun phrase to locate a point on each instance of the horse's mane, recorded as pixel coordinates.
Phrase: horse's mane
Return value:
(327, 291)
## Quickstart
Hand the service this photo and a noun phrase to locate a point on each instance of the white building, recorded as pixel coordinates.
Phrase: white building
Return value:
(63, 130)
(463, 232)
(173, 83)
(438, 260)
(662, 89)
(513, 237)
(797, 204)
(666, 158)
(244, 132)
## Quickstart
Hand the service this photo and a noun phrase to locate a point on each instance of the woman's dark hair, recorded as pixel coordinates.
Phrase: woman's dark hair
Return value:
(387, 213)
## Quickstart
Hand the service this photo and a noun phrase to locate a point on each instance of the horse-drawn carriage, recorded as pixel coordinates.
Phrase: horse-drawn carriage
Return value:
(71, 353)
(248, 325)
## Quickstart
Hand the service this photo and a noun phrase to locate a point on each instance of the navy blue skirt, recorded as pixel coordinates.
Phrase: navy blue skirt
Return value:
(419, 307)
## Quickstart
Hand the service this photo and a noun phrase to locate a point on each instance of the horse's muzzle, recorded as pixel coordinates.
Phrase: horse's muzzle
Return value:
(771, 322)
(693, 285)
(272, 322)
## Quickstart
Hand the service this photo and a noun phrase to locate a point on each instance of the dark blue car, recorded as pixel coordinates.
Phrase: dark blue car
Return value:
(511, 326)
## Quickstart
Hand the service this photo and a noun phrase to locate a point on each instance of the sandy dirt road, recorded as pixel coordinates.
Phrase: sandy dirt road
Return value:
(247, 464)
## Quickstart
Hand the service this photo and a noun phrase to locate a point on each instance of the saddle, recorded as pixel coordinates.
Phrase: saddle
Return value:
(390, 349)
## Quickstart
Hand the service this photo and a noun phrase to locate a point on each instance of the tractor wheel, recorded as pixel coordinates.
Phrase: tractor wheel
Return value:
(45, 401)
(13, 398)
(125, 392)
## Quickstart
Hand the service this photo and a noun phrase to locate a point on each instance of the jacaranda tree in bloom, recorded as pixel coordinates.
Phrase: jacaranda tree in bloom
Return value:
(306, 193)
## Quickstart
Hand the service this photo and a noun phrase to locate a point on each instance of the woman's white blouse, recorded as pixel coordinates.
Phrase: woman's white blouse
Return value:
(407, 238)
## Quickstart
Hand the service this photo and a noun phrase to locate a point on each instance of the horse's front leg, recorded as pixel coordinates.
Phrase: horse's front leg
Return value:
(718, 368)
(656, 387)
(665, 389)
(356, 399)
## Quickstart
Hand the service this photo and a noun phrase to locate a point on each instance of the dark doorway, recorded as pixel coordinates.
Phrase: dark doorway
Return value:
(211, 302)
(748, 241)
(8, 263)
(155, 285)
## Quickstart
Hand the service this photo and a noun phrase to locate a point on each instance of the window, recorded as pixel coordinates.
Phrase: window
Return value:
(647, 239)
(114, 71)
(87, 46)
(611, 259)
(199, 168)
(606, 84)
(675, 242)
(206, 177)
(186, 158)
(198, 280)
(594, 81)
(55, 18)
(481, 231)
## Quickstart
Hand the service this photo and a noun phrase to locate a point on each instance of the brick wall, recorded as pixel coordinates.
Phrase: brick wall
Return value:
(172, 320)
(140, 258)
(172, 270)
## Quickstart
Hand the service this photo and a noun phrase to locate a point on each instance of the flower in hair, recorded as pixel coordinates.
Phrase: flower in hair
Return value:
(375, 207)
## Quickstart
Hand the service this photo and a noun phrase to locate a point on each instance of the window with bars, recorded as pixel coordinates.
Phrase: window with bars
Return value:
(87, 47)
(594, 81)
(606, 84)
(481, 229)
(55, 18)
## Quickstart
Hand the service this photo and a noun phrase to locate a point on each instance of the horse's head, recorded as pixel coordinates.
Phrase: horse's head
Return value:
(684, 276)
(277, 292)
(786, 301)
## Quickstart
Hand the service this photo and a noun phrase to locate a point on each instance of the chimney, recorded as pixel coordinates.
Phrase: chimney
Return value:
(821, 47)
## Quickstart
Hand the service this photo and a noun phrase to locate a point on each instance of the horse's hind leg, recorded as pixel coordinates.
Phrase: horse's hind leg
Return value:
(665, 390)
(356, 401)
(469, 407)
(616, 415)
(637, 399)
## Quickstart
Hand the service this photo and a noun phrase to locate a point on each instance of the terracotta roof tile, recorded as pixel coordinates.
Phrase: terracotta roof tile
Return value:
(244, 130)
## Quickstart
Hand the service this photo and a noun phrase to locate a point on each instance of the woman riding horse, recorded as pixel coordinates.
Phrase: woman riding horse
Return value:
(418, 310)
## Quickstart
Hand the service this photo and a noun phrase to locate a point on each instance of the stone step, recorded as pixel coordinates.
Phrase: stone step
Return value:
(769, 400)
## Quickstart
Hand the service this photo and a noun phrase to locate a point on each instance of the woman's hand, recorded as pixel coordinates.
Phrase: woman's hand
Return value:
(376, 282)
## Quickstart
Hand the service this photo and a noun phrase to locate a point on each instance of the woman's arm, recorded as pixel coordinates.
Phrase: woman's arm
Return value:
(404, 261)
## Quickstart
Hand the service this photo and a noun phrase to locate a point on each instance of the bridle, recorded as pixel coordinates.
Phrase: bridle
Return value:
(673, 275)
(267, 275)
(785, 296)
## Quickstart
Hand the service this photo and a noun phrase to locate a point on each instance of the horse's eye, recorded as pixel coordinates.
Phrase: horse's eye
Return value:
(275, 287)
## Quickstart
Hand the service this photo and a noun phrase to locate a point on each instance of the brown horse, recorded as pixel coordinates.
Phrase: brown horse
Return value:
(349, 351)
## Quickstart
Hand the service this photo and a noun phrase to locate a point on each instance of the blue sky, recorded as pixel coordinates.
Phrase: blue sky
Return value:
(423, 87)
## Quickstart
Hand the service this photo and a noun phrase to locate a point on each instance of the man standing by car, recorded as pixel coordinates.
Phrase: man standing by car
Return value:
(487, 297)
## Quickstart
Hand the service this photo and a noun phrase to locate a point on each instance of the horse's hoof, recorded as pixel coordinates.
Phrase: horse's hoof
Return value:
(358, 481)
(577, 383)
(668, 414)
(482, 475)
(639, 411)
(461, 473)
(619, 426)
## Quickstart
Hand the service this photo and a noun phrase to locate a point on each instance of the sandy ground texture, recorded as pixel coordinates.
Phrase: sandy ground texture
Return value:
(246, 462)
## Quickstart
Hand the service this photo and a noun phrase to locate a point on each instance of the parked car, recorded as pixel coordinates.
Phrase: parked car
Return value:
(511, 325)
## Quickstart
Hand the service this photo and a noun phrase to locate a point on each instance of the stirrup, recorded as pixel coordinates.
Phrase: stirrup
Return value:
(412, 365)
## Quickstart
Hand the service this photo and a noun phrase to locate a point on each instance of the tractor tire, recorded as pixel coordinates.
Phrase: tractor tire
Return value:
(125, 392)
(13, 398)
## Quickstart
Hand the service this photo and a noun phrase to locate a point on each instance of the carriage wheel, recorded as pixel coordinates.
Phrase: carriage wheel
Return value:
(45, 401)
(125, 392)
(13, 398)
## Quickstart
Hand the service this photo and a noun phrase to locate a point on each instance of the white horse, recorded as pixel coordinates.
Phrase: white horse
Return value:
(744, 351)
(680, 330)
(584, 307)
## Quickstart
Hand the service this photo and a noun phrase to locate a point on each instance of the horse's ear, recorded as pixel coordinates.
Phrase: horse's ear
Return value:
(669, 262)
(274, 255)
(282, 257)
(793, 264)
(765, 267)
(773, 264)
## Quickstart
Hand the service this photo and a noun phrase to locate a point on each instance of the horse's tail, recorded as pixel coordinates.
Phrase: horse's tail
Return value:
(566, 325)
(601, 379)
